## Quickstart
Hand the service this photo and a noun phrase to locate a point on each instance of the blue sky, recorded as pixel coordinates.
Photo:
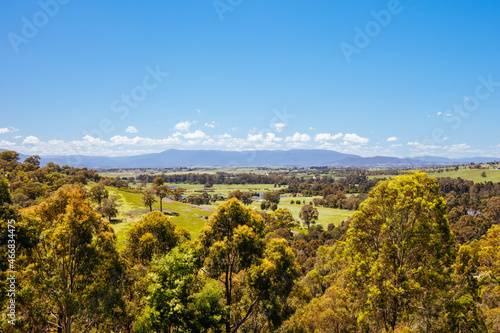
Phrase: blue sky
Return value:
(394, 78)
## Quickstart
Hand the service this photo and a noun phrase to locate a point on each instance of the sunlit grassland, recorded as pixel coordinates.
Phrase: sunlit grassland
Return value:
(326, 215)
(132, 208)
(191, 217)
(464, 172)
(492, 174)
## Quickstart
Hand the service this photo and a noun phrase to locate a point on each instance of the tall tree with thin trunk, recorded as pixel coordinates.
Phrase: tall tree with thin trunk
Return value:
(149, 198)
(401, 250)
(162, 191)
(308, 214)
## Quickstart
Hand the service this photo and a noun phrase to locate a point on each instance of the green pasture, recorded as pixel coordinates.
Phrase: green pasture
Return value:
(326, 215)
(193, 218)
(132, 209)
(492, 174)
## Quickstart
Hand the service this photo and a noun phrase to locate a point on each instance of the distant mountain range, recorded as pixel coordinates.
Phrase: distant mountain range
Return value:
(219, 158)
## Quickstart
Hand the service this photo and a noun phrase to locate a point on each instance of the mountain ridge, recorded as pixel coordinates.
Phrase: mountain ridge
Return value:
(249, 158)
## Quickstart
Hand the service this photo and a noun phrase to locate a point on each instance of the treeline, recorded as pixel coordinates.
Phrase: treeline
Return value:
(472, 207)
(31, 184)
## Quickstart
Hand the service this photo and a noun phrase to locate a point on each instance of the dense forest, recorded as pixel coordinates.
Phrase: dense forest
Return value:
(418, 255)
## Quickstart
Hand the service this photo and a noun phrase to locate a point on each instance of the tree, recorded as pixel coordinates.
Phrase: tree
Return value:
(158, 181)
(178, 193)
(233, 242)
(5, 197)
(149, 198)
(8, 160)
(71, 282)
(109, 207)
(272, 197)
(33, 162)
(244, 197)
(309, 214)
(488, 275)
(180, 299)
(162, 191)
(400, 248)
(153, 234)
(493, 210)
(281, 218)
(97, 193)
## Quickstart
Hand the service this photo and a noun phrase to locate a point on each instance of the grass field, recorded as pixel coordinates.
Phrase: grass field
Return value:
(326, 215)
(193, 218)
(464, 172)
(492, 174)
(132, 209)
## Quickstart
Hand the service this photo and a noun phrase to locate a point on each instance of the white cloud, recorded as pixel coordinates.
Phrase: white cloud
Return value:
(279, 127)
(212, 124)
(396, 145)
(131, 129)
(195, 135)
(5, 130)
(458, 147)
(297, 137)
(392, 139)
(120, 140)
(271, 137)
(184, 126)
(255, 137)
(420, 146)
(327, 136)
(198, 110)
(31, 140)
(87, 138)
(7, 144)
(449, 114)
(354, 138)
(439, 113)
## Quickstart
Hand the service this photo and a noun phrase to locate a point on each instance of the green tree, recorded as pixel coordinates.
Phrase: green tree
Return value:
(5, 197)
(309, 214)
(179, 298)
(178, 193)
(153, 234)
(281, 218)
(97, 193)
(271, 199)
(401, 252)
(109, 207)
(72, 280)
(149, 198)
(244, 197)
(158, 181)
(8, 160)
(162, 191)
(488, 275)
(250, 273)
